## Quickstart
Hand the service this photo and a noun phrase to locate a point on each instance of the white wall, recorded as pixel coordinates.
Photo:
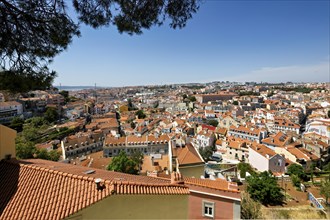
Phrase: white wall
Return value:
(258, 161)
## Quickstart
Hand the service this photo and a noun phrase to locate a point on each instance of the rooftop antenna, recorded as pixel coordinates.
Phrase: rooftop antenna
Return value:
(95, 95)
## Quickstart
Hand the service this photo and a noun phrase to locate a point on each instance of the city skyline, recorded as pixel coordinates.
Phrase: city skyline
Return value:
(225, 40)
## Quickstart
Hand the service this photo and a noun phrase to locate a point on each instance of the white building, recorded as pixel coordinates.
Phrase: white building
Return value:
(264, 159)
(8, 110)
(319, 126)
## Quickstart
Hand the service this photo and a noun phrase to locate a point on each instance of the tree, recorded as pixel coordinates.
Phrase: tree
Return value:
(133, 126)
(122, 163)
(137, 156)
(65, 94)
(295, 180)
(51, 114)
(48, 155)
(213, 122)
(130, 105)
(42, 154)
(156, 104)
(298, 170)
(17, 124)
(325, 189)
(206, 152)
(250, 209)
(326, 167)
(243, 168)
(25, 150)
(36, 121)
(33, 32)
(192, 98)
(140, 114)
(263, 187)
(54, 155)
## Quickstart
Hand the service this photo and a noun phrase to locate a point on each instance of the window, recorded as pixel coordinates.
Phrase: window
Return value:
(208, 209)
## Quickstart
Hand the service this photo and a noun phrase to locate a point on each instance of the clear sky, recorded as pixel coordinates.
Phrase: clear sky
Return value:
(262, 41)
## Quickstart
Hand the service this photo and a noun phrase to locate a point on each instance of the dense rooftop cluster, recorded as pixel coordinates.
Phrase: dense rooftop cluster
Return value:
(178, 129)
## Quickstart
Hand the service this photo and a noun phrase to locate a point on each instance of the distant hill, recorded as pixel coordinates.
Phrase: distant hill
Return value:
(75, 88)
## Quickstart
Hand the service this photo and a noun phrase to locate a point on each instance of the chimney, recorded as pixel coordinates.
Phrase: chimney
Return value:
(99, 186)
(232, 185)
(176, 178)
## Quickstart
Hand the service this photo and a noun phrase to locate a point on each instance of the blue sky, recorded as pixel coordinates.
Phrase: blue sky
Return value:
(262, 41)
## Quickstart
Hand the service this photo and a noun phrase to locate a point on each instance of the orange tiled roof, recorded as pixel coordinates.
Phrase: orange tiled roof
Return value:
(246, 130)
(131, 139)
(297, 153)
(280, 139)
(309, 154)
(218, 142)
(33, 192)
(236, 144)
(38, 189)
(285, 123)
(263, 150)
(188, 155)
(147, 188)
(222, 131)
(218, 184)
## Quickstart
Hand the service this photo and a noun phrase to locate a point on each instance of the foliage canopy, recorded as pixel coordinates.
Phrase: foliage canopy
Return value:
(263, 187)
(140, 114)
(51, 114)
(206, 152)
(243, 168)
(250, 209)
(298, 171)
(213, 122)
(125, 164)
(38, 130)
(325, 189)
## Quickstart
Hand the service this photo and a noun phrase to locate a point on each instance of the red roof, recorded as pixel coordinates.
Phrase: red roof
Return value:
(209, 127)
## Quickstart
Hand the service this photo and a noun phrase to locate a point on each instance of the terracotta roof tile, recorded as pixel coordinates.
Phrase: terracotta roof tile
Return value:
(297, 153)
(218, 184)
(263, 150)
(147, 188)
(39, 189)
(280, 139)
(188, 155)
